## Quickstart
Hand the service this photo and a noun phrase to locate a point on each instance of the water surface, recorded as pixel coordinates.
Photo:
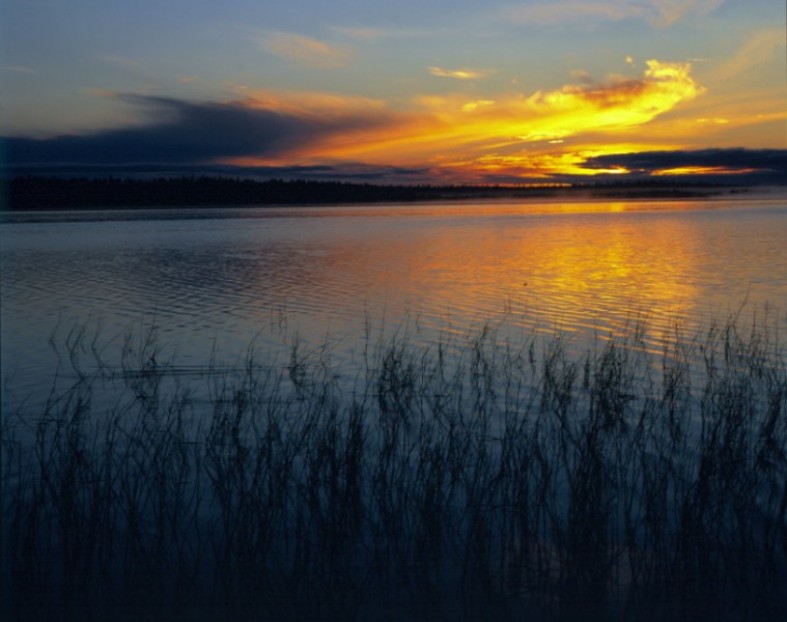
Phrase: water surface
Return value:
(211, 281)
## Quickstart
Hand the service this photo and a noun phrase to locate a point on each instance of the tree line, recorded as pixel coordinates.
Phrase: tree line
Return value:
(54, 193)
(32, 193)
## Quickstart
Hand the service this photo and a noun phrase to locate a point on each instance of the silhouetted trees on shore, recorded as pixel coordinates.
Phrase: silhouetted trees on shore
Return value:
(52, 193)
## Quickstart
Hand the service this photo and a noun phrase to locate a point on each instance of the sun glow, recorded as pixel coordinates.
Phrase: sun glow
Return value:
(535, 135)
(701, 170)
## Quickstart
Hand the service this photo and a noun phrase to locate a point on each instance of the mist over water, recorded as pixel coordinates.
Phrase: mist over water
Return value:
(213, 281)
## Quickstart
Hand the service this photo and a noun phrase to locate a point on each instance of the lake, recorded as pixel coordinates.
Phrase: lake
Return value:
(530, 430)
(212, 281)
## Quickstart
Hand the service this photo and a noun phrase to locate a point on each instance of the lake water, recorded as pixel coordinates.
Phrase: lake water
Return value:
(212, 281)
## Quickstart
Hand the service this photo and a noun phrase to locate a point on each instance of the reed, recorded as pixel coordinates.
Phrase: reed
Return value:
(479, 479)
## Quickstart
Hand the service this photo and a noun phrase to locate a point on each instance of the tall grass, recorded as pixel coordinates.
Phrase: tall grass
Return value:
(478, 480)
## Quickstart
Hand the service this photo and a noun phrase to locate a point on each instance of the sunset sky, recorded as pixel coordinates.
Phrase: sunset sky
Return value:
(407, 91)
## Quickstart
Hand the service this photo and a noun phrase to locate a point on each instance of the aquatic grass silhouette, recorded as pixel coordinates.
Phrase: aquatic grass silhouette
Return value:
(473, 479)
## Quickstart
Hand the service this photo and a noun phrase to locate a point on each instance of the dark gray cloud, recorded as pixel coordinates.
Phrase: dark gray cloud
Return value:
(349, 172)
(764, 161)
(184, 132)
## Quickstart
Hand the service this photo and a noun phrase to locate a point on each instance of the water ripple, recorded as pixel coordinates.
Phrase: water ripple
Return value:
(214, 285)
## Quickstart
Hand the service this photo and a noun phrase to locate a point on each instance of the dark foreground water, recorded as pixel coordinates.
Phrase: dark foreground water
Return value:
(212, 281)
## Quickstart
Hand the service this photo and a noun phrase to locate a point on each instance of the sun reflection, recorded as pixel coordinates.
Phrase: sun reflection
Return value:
(595, 272)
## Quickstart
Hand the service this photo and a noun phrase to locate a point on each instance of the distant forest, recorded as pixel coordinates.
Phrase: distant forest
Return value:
(53, 193)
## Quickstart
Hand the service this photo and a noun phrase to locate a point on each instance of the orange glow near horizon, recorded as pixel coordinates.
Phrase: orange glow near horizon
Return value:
(701, 170)
(532, 136)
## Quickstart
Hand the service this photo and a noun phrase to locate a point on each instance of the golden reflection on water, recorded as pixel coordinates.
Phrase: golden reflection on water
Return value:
(577, 273)
(592, 269)
(597, 269)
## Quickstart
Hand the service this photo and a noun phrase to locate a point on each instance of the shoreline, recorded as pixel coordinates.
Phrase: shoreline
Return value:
(58, 194)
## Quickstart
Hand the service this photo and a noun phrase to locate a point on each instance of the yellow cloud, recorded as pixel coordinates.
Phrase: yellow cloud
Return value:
(663, 85)
(543, 164)
(305, 50)
(700, 170)
(457, 74)
(490, 134)
(553, 115)
(475, 105)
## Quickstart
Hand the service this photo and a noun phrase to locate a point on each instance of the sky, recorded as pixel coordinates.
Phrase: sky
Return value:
(444, 91)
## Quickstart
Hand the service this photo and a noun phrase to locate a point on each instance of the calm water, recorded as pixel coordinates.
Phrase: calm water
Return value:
(212, 281)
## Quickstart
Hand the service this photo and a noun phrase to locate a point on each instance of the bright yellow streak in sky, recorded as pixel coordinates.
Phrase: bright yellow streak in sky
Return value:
(701, 170)
(518, 134)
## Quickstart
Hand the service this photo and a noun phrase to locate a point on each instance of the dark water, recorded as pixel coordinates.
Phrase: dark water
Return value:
(213, 281)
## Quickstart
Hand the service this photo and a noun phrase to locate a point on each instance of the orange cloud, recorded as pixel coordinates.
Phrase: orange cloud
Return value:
(544, 163)
(314, 104)
(661, 88)
(722, 119)
(458, 74)
(759, 48)
(485, 127)
(305, 50)
(456, 131)
(701, 170)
